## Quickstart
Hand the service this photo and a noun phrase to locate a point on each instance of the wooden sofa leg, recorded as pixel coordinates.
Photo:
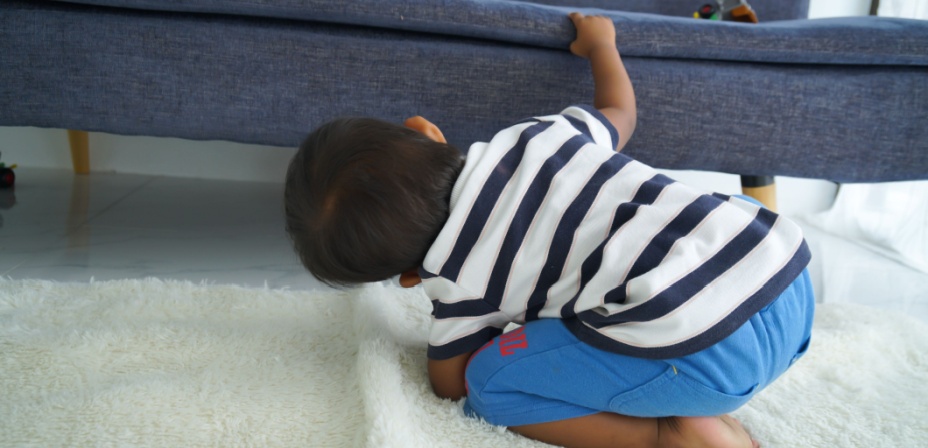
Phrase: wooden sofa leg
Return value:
(762, 188)
(80, 151)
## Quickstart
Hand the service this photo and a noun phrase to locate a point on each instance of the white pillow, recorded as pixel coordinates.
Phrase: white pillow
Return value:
(910, 9)
(889, 218)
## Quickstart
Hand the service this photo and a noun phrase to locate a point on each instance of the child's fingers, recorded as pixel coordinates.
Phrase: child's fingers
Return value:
(577, 18)
(594, 22)
(576, 47)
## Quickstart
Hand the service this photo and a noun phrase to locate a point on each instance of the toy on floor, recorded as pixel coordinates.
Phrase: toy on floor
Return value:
(7, 176)
(735, 10)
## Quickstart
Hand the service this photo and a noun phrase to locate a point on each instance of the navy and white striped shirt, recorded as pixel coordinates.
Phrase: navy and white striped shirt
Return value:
(548, 221)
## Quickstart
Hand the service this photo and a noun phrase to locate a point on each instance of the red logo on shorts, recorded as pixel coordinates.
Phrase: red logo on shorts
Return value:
(509, 342)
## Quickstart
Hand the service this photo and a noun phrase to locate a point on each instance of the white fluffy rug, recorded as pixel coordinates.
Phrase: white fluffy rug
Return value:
(156, 363)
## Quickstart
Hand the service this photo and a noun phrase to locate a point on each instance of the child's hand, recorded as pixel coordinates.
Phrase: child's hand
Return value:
(426, 127)
(593, 32)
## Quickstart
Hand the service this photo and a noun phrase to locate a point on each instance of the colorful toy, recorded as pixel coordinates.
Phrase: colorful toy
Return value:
(7, 176)
(736, 10)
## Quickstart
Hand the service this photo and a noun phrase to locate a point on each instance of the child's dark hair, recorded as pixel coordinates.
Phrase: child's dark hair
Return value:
(365, 199)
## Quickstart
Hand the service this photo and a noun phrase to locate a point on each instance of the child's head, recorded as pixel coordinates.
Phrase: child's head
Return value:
(365, 199)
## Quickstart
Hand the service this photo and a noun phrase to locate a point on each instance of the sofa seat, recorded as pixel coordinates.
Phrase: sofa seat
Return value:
(842, 99)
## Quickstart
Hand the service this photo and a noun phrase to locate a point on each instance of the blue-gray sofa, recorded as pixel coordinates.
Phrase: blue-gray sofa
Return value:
(841, 99)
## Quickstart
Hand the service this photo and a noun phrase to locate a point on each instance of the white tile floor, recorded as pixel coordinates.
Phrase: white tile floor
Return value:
(58, 226)
(63, 227)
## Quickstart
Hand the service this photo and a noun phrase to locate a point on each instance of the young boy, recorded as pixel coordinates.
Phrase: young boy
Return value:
(650, 309)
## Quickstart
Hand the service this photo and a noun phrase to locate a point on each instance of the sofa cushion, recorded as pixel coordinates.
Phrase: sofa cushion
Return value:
(268, 81)
(828, 41)
(767, 10)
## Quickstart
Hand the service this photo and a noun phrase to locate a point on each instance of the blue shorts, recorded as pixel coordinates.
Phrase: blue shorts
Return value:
(541, 372)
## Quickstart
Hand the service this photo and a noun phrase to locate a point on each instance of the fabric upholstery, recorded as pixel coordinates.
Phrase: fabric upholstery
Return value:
(889, 41)
(767, 10)
(842, 99)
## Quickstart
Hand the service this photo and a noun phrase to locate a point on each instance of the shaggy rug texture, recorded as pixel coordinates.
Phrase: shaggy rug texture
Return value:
(159, 363)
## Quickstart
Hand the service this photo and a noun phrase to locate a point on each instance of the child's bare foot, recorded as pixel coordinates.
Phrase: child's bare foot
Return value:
(697, 432)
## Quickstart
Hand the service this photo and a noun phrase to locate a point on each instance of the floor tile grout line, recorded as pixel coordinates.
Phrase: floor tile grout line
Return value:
(7, 272)
(114, 204)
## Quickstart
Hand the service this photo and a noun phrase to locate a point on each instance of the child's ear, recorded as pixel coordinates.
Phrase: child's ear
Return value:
(410, 278)
(426, 127)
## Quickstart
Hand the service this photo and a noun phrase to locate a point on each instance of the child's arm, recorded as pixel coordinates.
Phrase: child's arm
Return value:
(446, 375)
(613, 93)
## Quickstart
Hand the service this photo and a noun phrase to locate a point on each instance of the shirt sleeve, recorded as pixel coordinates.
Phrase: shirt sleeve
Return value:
(461, 322)
(592, 123)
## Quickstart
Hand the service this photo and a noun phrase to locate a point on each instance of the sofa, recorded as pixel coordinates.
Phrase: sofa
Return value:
(841, 99)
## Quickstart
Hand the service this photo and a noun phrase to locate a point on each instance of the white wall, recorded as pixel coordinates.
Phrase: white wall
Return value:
(819, 9)
(48, 148)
